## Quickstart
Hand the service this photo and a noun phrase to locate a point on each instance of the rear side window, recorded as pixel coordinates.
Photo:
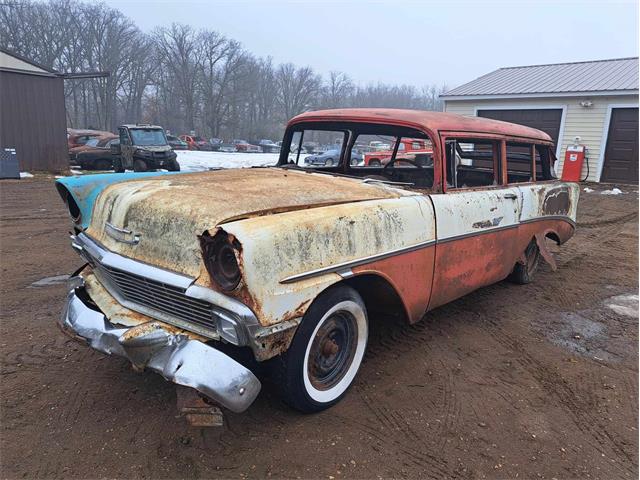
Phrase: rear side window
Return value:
(545, 160)
(472, 163)
(519, 162)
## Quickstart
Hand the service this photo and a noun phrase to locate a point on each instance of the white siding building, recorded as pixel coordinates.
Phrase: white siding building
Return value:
(596, 101)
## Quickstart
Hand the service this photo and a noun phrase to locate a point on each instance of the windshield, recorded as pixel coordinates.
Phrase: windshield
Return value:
(147, 136)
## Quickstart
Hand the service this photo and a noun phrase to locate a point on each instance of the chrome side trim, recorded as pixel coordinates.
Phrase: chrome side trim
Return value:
(344, 269)
(176, 357)
(475, 234)
(346, 266)
(564, 218)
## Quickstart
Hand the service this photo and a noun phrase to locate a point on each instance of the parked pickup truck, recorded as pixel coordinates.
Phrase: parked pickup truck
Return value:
(185, 273)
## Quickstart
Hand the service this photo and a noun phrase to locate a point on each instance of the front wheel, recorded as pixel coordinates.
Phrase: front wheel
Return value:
(140, 165)
(173, 165)
(326, 352)
(328, 162)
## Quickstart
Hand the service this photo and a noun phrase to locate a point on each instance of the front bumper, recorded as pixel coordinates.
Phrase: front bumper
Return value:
(175, 356)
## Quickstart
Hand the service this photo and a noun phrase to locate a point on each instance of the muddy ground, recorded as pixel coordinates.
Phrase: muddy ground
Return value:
(536, 381)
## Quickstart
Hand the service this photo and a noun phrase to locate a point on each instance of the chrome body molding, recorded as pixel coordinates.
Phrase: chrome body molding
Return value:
(344, 269)
(176, 357)
(473, 234)
(564, 218)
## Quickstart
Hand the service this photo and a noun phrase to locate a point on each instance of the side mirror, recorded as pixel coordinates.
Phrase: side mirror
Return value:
(115, 149)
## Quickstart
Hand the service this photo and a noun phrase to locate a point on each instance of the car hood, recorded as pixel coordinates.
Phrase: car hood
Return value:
(154, 148)
(168, 213)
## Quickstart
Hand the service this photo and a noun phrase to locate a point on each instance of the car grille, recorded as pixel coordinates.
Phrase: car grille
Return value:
(158, 300)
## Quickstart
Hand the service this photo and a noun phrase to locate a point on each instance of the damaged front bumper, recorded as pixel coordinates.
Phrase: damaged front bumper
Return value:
(152, 346)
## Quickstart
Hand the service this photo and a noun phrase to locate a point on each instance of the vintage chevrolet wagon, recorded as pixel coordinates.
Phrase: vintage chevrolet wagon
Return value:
(290, 263)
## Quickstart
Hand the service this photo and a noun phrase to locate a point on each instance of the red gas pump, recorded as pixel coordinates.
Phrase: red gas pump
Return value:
(573, 160)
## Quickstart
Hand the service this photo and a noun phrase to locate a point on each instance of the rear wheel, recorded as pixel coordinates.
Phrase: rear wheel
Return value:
(524, 273)
(329, 162)
(139, 165)
(326, 352)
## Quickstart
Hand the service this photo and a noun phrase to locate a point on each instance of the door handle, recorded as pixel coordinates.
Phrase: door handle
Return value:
(511, 196)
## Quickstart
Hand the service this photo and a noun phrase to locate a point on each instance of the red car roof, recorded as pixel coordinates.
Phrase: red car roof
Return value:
(433, 122)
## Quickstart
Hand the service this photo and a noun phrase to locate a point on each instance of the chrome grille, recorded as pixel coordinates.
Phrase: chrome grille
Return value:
(157, 296)
(151, 296)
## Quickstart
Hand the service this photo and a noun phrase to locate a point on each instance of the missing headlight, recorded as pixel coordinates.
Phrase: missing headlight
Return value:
(219, 254)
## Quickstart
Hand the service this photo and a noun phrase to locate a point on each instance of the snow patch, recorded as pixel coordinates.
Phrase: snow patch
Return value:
(613, 191)
(588, 190)
(26, 175)
(195, 161)
(626, 305)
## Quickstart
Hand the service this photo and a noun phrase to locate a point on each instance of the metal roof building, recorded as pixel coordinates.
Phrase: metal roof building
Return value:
(33, 116)
(595, 100)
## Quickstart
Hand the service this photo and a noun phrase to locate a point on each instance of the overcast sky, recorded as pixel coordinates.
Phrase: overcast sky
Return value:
(409, 42)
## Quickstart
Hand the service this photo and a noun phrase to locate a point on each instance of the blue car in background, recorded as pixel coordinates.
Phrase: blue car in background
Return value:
(331, 158)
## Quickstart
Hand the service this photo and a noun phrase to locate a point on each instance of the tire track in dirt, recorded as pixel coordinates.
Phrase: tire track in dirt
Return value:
(558, 387)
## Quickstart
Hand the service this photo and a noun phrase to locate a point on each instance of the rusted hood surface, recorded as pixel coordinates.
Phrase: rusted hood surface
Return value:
(169, 212)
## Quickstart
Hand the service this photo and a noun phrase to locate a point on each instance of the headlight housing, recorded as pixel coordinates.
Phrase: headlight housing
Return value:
(219, 254)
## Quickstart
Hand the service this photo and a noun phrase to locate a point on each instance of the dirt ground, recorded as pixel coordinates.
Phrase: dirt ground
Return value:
(536, 381)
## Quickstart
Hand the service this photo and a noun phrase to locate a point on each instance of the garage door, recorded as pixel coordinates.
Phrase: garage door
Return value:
(621, 153)
(547, 120)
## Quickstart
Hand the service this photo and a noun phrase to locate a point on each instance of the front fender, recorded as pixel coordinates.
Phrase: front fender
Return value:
(84, 189)
(277, 249)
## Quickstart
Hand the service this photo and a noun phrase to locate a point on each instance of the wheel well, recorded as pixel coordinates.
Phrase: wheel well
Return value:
(379, 296)
(553, 236)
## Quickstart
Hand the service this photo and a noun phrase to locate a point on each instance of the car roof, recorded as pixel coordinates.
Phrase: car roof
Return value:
(433, 122)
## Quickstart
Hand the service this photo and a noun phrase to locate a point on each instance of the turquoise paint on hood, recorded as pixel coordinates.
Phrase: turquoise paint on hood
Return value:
(85, 189)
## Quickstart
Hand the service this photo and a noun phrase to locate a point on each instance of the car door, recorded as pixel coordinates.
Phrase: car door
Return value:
(476, 220)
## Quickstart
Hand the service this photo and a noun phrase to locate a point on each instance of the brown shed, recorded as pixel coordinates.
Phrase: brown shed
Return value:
(32, 114)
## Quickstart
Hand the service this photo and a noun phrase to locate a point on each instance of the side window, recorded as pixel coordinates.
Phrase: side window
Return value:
(316, 148)
(519, 162)
(545, 159)
(472, 163)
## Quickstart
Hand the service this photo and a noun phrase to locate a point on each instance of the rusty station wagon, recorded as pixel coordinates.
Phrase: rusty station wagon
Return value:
(184, 272)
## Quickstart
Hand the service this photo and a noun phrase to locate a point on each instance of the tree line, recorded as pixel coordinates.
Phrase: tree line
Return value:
(179, 77)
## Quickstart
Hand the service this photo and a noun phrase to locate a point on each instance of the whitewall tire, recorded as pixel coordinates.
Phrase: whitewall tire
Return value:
(326, 352)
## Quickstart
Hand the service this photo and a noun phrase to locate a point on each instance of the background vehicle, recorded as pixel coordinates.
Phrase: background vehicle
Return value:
(330, 158)
(196, 143)
(407, 149)
(143, 147)
(215, 143)
(77, 137)
(268, 146)
(176, 143)
(227, 148)
(96, 156)
(244, 146)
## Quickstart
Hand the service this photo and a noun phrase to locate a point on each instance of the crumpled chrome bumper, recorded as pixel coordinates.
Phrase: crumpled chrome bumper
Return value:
(176, 357)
